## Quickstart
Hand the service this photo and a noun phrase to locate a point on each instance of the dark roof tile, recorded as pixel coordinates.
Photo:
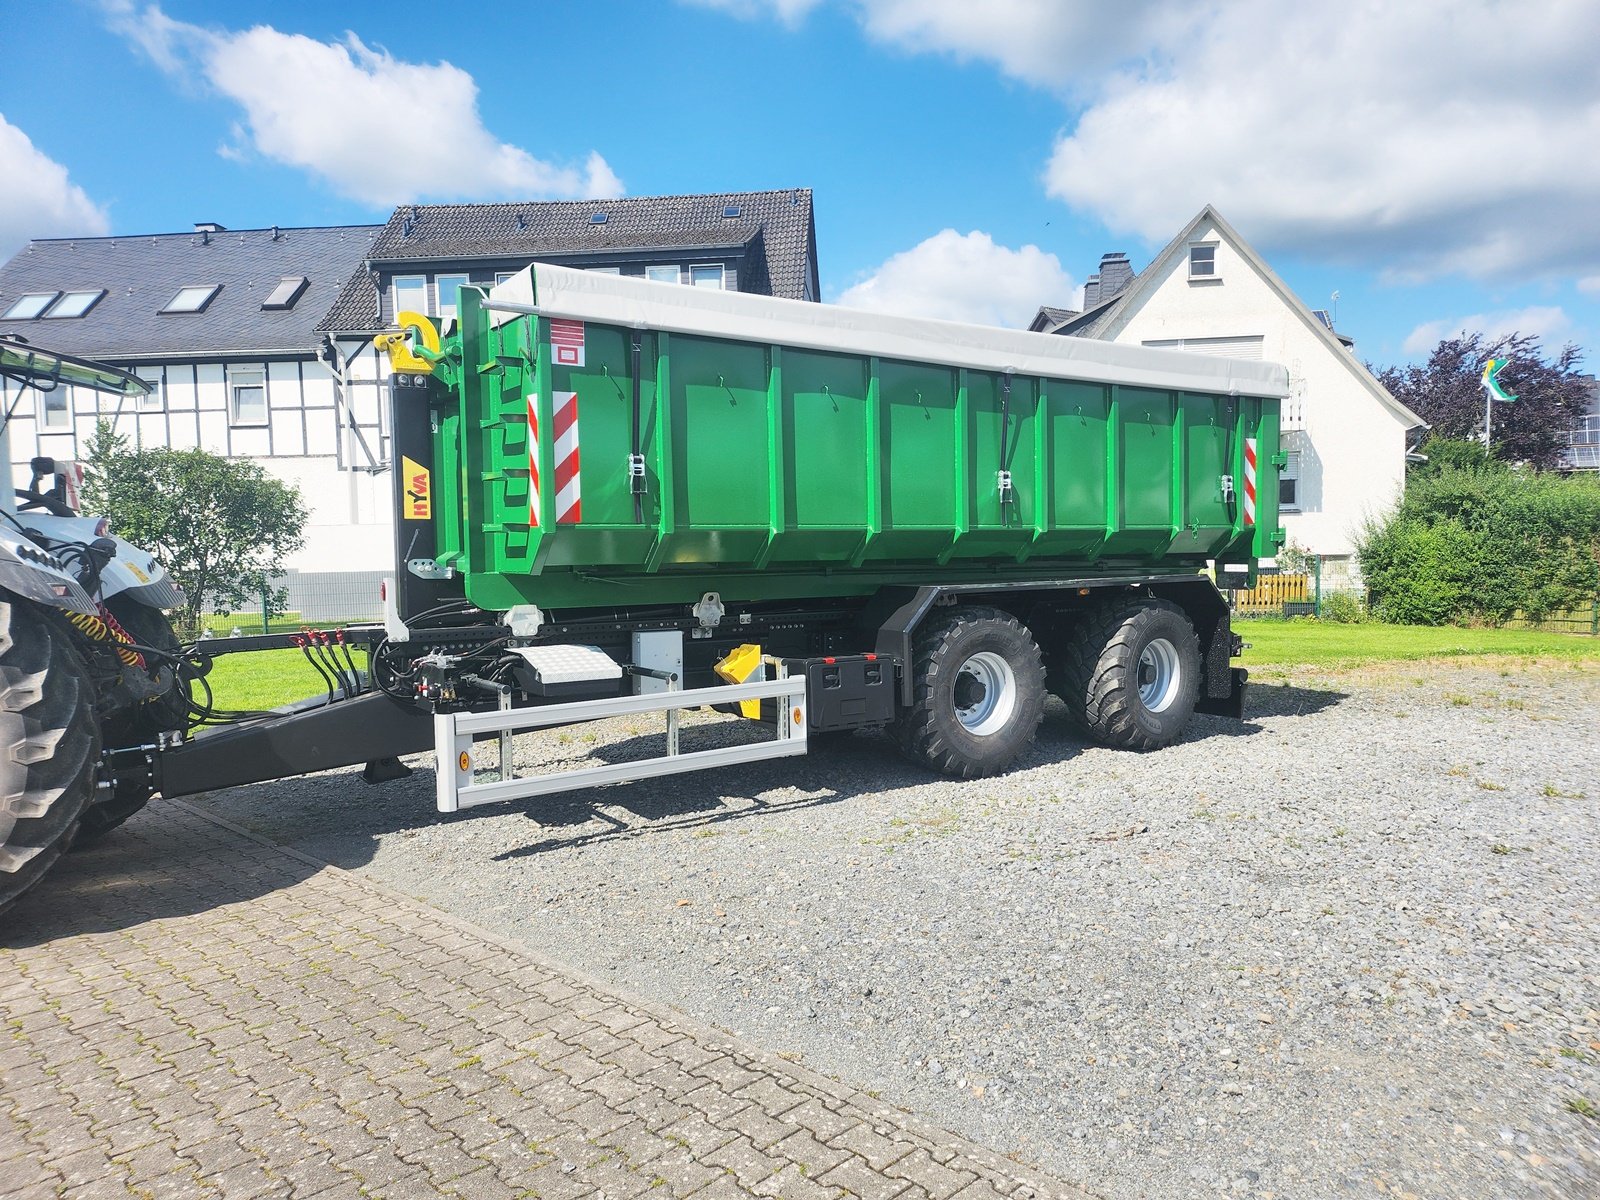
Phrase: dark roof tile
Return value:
(143, 273)
(774, 229)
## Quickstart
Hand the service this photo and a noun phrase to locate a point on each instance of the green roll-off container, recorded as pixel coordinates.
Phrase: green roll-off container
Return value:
(604, 441)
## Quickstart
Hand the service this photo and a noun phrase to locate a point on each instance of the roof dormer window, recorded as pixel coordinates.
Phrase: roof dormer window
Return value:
(75, 304)
(29, 306)
(192, 299)
(290, 288)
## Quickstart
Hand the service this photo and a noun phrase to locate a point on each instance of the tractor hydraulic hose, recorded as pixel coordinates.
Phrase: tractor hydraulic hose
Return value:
(304, 643)
(324, 646)
(355, 675)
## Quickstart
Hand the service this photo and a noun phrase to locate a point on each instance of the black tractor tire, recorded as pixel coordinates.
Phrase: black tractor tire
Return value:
(139, 725)
(49, 745)
(1129, 673)
(977, 688)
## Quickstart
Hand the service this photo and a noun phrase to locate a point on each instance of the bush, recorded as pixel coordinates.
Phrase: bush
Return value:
(1485, 545)
(1342, 608)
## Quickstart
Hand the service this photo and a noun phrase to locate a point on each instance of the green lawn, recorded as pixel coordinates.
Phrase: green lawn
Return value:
(265, 679)
(1321, 644)
(272, 677)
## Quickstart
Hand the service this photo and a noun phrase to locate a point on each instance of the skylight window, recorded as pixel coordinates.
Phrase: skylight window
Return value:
(29, 306)
(732, 210)
(192, 299)
(289, 289)
(75, 304)
(598, 218)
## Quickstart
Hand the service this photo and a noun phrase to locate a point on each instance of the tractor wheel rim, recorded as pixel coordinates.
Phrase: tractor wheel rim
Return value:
(1159, 675)
(985, 694)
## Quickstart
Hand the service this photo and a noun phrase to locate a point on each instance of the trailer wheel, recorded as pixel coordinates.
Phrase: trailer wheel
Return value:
(977, 693)
(1130, 673)
(140, 724)
(49, 746)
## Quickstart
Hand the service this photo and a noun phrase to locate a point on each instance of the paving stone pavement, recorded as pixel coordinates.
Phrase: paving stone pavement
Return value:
(191, 1011)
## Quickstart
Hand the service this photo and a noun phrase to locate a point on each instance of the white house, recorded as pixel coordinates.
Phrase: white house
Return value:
(1209, 292)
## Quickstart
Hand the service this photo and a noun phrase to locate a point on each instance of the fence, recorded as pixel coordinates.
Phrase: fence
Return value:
(1270, 594)
(321, 598)
(1573, 620)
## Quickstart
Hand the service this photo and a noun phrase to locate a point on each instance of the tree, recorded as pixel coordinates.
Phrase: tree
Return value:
(219, 526)
(1552, 396)
(1453, 454)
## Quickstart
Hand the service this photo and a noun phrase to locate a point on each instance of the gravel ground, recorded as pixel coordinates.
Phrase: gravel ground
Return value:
(1351, 946)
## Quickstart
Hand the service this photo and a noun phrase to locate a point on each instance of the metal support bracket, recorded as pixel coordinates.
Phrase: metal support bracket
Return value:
(454, 733)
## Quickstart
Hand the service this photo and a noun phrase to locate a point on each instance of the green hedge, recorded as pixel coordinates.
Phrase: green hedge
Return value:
(1485, 545)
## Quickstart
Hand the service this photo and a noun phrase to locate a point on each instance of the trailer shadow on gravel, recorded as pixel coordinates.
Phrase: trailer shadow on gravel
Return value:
(335, 817)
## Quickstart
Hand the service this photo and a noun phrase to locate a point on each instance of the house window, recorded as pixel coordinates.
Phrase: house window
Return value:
(448, 286)
(706, 277)
(664, 274)
(501, 276)
(1289, 483)
(75, 304)
(29, 306)
(192, 299)
(1203, 261)
(410, 293)
(247, 396)
(53, 405)
(156, 398)
(606, 270)
(289, 289)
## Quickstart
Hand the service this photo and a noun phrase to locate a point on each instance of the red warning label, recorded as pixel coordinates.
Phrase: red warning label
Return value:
(566, 342)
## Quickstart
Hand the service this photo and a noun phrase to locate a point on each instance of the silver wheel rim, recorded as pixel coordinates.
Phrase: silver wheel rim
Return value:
(1158, 675)
(985, 693)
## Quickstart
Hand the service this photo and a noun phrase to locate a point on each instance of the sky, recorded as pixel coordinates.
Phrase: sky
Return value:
(1435, 164)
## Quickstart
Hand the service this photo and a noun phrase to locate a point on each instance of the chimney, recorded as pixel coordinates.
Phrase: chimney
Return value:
(1091, 292)
(208, 227)
(1116, 273)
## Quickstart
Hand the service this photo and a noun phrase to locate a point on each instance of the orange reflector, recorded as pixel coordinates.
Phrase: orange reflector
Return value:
(466, 761)
(797, 716)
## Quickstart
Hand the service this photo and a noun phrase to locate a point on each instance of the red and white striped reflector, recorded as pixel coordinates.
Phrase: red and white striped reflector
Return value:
(1249, 481)
(533, 461)
(569, 492)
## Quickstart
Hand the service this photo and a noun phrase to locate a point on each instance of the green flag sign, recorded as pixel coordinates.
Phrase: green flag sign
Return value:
(1491, 380)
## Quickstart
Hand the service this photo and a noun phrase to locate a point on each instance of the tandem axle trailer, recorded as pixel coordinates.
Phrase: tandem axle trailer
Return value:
(614, 497)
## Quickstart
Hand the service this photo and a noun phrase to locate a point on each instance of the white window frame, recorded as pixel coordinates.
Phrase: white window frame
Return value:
(63, 414)
(722, 275)
(420, 281)
(1290, 473)
(458, 279)
(46, 299)
(503, 277)
(56, 312)
(239, 378)
(210, 289)
(155, 400)
(606, 270)
(1213, 275)
(651, 271)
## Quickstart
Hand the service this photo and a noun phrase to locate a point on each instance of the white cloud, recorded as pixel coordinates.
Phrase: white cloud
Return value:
(1423, 139)
(964, 277)
(39, 199)
(789, 12)
(1590, 285)
(1546, 323)
(1041, 41)
(377, 129)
